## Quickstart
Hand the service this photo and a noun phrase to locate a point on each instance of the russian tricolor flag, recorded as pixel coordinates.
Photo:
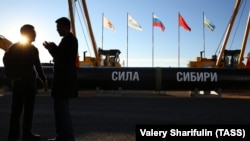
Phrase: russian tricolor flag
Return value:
(158, 23)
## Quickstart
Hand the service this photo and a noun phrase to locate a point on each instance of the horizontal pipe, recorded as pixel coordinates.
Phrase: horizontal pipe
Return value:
(147, 78)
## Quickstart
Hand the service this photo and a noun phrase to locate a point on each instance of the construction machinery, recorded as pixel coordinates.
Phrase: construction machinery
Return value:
(4, 43)
(107, 58)
(193, 79)
(226, 58)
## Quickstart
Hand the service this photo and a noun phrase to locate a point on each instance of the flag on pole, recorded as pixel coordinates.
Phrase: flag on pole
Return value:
(107, 23)
(183, 23)
(208, 24)
(158, 23)
(133, 23)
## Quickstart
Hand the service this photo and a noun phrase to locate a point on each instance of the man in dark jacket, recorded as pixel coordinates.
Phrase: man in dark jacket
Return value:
(64, 85)
(22, 60)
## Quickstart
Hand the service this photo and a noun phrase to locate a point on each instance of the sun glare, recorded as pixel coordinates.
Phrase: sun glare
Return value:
(23, 39)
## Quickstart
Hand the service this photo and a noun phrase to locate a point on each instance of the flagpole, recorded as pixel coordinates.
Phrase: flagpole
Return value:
(179, 39)
(203, 35)
(152, 41)
(127, 39)
(102, 28)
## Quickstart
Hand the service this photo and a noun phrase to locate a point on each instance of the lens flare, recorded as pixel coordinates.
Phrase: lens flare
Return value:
(23, 40)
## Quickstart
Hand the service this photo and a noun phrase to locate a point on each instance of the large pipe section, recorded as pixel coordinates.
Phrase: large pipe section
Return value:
(163, 78)
(129, 78)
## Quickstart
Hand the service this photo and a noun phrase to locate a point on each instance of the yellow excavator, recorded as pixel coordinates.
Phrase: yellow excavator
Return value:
(226, 58)
(106, 58)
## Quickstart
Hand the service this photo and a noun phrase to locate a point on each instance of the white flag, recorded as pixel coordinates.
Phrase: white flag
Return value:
(208, 24)
(108, 24)
(133, 23)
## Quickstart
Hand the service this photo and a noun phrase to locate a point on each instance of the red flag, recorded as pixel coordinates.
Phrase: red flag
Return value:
(183, 23)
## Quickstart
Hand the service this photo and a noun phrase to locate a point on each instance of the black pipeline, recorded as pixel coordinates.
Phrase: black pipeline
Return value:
(163, 78)
(148, 78)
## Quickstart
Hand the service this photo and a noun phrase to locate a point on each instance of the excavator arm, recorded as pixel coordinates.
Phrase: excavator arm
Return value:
(226, 58)
(4, 43)
(244, 43)
(85, 9)
(111, 56)
(229, 28)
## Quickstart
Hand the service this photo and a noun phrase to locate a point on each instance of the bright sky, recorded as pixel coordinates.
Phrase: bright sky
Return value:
(43, 13)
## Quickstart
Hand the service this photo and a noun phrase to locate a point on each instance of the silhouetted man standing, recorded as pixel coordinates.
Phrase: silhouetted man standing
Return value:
(64, 85)
(22, 65)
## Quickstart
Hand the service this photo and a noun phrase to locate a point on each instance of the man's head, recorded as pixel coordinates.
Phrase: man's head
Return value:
(28, 32)
(63, 26)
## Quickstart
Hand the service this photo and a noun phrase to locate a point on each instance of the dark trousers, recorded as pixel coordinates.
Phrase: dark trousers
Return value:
(64, 128)
(23, 100)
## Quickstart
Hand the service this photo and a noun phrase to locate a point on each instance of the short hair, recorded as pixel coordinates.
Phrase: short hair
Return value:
(63, 21)
(26, 28)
